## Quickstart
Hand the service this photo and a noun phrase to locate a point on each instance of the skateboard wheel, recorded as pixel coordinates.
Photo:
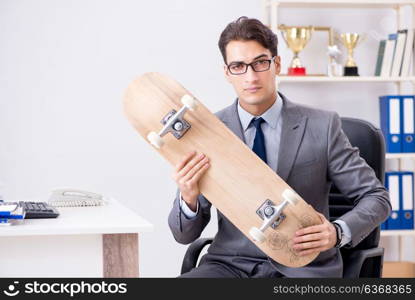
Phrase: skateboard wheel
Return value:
(155, 140)
(257, 235)
(189, 102)
(291, 196)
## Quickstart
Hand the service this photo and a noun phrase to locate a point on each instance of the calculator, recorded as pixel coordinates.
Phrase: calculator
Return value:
(38, 210)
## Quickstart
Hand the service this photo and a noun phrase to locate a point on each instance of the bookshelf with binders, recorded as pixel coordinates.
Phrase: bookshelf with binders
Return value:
(398, 127)
(393, 65)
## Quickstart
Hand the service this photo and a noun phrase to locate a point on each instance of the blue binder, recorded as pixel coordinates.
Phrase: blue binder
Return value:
(406, 213)
(392, 183)
(390, 122)
(407, 117)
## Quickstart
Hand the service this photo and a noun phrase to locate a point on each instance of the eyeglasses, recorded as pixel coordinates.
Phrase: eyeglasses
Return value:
(239, 68)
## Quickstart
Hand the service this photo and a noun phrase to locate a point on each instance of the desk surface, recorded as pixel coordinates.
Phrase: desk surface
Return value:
(110, 218)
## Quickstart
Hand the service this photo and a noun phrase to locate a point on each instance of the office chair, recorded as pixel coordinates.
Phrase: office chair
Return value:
(366, 259)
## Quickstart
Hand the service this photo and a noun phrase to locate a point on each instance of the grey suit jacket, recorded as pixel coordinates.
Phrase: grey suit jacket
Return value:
(314, 153)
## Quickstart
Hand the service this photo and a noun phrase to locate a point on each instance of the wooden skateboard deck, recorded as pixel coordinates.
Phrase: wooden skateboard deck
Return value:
(237, 182)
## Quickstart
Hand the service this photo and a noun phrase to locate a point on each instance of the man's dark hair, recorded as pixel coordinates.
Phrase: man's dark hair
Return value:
(246, 29)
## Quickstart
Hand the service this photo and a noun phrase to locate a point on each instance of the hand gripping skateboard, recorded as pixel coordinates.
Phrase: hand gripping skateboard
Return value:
(238, 183)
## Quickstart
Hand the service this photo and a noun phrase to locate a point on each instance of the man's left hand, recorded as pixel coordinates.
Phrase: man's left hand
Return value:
(316, 238)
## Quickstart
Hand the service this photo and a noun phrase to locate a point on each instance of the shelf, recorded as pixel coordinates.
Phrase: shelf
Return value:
(343, 3)
(343, 79)
(399, 155)
(397, 232)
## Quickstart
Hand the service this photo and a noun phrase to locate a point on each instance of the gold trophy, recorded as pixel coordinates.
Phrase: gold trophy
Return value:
(350, 41)
(296, 38)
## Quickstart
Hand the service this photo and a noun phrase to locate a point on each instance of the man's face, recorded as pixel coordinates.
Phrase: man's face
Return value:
(252, 88)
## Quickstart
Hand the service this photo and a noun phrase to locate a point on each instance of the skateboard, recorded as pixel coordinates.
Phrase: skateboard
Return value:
(238, 183)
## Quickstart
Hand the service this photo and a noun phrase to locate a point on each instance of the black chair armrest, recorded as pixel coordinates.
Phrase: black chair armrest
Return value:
(354, 262)
(193, 252)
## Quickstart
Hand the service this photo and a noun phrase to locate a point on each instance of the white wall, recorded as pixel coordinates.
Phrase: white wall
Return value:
(64, 66)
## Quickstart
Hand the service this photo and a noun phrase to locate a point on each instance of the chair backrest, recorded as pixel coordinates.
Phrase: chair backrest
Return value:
(370, 142)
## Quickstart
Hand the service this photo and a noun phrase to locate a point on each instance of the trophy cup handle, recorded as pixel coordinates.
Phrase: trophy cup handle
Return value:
(282, 27)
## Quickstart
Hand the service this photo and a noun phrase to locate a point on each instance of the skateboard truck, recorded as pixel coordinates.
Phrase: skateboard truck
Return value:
(173, 122)
(272, 215)
(267, 210)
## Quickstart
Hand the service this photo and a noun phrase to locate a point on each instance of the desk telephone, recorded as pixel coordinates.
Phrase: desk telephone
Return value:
(75, 197)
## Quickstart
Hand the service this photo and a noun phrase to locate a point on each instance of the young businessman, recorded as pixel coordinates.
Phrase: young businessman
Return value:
(304, 146)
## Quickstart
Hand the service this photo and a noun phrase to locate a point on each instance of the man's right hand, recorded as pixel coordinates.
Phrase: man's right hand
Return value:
(187, 174)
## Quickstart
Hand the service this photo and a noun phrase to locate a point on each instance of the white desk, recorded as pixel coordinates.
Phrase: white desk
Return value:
(97, 241)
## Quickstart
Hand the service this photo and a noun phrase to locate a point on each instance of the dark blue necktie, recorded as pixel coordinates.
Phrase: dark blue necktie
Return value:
(259, 141)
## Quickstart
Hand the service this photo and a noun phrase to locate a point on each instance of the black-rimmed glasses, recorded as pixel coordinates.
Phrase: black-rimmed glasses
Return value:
(260, 65)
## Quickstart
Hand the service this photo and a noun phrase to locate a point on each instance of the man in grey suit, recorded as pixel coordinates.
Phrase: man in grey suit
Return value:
(306, 147)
